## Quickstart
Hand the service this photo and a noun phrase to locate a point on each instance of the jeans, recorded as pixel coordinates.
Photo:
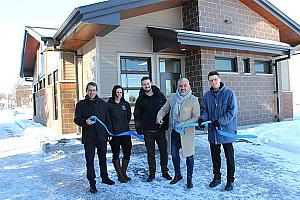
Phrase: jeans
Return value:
(175, 147)
(215, 150)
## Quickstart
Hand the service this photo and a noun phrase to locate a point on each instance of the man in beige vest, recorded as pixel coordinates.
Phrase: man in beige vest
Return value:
(184, 109)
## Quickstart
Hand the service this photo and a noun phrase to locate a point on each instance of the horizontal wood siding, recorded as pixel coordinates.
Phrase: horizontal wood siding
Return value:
(131, 37)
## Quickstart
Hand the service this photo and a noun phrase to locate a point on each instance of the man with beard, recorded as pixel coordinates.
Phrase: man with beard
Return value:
(150, 100)
(184, 109)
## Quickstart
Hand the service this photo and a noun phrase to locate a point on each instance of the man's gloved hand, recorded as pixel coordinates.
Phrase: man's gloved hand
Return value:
(216, 123)
(200, 122)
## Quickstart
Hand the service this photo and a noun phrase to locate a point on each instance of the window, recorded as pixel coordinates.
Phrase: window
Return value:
(132, 70)
(55, 78)
(224, 64)
(50, 79)
(246, 65)
(263, 67)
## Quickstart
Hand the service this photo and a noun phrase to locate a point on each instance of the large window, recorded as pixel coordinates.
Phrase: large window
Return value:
(132, 70)
(263, 67)
(224, 64)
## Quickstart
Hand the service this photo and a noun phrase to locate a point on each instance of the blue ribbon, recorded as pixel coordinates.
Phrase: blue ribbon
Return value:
(221, 132)
(94, 118)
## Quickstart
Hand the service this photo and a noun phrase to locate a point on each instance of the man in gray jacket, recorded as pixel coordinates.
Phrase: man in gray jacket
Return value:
(219, 105)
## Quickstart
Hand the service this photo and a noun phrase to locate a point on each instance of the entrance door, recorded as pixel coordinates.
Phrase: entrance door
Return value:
(170, 72)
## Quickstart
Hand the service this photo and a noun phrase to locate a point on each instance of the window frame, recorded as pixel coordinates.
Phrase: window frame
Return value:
(233, 60)
(269, 67)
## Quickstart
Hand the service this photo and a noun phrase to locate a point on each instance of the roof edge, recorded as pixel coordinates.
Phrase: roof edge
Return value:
(279, 14)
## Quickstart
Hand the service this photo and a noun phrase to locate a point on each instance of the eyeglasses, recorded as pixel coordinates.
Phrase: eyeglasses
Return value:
(213, 80)
(90, 90)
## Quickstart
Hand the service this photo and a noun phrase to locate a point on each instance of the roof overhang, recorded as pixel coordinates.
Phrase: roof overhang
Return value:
(98, 19)
(172, 40)
(289, 30)
(33, 38)
(29, 54)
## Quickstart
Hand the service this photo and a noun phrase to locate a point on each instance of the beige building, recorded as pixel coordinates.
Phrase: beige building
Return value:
(117, 42)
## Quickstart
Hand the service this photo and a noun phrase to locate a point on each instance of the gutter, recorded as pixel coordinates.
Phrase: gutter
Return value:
(277, 85)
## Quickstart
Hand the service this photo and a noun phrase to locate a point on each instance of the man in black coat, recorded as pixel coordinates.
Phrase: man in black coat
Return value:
(94, 135)
(149, 102)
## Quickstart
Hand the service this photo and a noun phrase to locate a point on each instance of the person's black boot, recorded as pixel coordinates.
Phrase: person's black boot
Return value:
(229, 186)
(176, 178)
(167, 176)
(150, 177)
(108, 181)
(93, 188)
(216, 181)
(189, 183)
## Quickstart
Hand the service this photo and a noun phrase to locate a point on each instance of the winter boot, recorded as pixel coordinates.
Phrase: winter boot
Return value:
(93, 188)
(189, 183)
(176, 178)
(124, 169)
(216, 181)
(150, 177)
(117, 166)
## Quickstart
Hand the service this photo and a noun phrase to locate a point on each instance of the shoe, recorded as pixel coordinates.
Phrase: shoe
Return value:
(215, 182)
(189, 184)
(228, 186)
(167, 176)
(93, 189)
(108, 181)
(176, 179)
(150, 177)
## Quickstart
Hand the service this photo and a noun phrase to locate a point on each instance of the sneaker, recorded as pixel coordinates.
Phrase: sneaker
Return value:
(215, 182)
(108, 181)
(167, 176)
(93, 189)
(228, 186)
(150, 177)
(176, 179)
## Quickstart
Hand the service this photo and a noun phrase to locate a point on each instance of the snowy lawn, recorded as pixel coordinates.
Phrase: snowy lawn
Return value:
(266, 168)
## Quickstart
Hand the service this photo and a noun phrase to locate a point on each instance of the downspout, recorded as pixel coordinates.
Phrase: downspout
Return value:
(277, 85)
(76, 75)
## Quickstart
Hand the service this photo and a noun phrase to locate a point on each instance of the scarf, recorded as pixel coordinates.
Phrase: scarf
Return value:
(179, 99)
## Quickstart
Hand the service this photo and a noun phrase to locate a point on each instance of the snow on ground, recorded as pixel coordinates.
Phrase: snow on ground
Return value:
(266, 168)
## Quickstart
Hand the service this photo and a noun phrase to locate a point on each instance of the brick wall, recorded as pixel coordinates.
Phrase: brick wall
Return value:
(190, 15)
(287, 105)
(255, 92)
(24, 96)
(234, 18)
(67, 100)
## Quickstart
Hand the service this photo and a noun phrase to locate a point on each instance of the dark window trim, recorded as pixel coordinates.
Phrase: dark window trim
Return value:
(234, 58)
(263, 61)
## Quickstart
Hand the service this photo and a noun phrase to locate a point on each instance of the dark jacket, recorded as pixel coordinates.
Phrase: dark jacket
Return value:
(120, 115)
(220, 105)
(85, 109)
(146, 109)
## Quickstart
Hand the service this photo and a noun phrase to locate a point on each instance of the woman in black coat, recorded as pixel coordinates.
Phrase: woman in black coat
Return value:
(120, 115)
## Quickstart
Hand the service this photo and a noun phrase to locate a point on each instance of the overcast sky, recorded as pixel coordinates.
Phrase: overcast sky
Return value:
(16, 14)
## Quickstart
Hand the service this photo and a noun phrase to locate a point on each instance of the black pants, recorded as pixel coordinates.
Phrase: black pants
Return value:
(160, 138)
(125, 143)
(89, 157)
(215, 150)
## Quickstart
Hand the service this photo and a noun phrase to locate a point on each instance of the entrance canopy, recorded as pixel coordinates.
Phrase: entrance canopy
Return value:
(176, 40)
